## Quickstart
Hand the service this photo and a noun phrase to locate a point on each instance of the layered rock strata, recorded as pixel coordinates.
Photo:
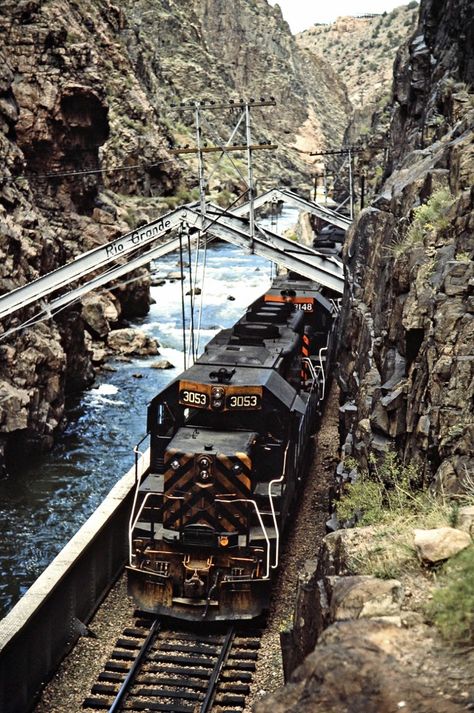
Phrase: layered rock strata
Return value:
(406, 336)
(56, 120)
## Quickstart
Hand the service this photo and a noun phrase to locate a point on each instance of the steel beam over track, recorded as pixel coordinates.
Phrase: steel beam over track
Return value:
(90, 261)
(327, 271)
(276, 195)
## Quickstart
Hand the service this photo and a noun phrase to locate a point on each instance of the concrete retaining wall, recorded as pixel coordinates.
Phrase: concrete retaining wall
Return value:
(42, 627)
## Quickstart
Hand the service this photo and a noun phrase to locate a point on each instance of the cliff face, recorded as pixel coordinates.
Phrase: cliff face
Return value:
(406, 364)
(212, 49)
(56, 115)
(85, 90)
(361, 50)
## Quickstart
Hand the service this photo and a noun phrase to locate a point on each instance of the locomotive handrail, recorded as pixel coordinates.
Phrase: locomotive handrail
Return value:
(323, 349)
(310, 365)
(134, 522)
(135, 496)
(270, 497)
(137, 451)
(267, 539)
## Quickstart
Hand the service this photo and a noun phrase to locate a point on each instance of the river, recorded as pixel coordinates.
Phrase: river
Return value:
(42, 506)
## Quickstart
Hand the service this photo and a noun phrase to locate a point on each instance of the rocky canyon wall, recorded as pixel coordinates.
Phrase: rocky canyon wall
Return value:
(61, 71)
(406, 359)
(86, 123)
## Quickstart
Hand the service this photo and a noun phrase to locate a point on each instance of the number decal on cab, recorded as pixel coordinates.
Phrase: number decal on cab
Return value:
(243, 401)
(193, 398)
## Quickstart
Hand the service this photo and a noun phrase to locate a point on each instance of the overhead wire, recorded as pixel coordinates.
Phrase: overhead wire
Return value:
(49, 312)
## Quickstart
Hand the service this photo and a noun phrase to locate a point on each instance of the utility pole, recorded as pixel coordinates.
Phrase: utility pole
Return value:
(242, 131)
(202, 180)
(248, 135)
(351, 185)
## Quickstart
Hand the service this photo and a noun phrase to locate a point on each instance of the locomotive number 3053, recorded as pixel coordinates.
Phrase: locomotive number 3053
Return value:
(243, 401)
(195, 398)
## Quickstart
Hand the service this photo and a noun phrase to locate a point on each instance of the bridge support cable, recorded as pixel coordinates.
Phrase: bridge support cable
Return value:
(183, 307)
(192, 346)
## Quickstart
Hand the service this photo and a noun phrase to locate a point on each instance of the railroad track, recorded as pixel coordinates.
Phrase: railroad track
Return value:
(157, 668)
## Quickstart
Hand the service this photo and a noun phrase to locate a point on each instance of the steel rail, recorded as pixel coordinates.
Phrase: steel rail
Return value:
(115, 707)
(206, 705)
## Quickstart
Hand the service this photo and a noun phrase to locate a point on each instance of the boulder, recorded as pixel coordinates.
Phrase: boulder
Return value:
(440, 544)
(360, 596)
(132, 341)
(353, 669)
(98, 353)
(98, 312)
(466, 519)
(162, 364)
(14, 404)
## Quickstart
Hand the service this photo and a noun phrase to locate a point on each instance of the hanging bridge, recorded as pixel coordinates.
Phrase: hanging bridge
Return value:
(139, 247)
(283, 195)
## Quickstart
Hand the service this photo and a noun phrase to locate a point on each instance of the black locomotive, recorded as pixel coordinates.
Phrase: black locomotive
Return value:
(229, 441)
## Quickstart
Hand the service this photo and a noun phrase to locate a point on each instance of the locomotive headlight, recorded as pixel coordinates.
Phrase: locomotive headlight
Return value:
(236, 468)
(217, 397)
(204, 464)
(174, 464)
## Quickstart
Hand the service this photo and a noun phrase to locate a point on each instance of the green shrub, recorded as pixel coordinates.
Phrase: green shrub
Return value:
(452, 606)
(364, 499)
(386, 490)
(429, 217)
(391, 489)
(391, 502)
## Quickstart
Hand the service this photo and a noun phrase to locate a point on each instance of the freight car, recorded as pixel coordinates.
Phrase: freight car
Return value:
(229, 442)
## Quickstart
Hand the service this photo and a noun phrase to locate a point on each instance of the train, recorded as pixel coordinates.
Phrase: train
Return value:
(229, 444)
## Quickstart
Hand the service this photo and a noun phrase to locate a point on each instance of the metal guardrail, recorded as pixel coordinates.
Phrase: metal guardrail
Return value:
(43, 626)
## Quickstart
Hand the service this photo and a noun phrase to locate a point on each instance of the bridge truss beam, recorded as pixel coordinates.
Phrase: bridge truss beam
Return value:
(276, 195)
(138, 248)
